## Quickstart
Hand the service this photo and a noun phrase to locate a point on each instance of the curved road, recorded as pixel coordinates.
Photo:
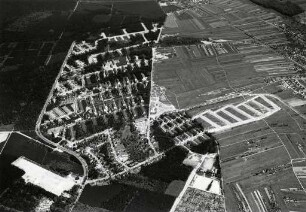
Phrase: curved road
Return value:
(37, 127)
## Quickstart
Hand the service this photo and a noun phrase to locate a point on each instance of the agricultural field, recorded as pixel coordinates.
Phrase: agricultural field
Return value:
(198, 22)
(232, 60)
(230, 20)
(299, 169)
(193, 74)
(155, 123)
(257, 161)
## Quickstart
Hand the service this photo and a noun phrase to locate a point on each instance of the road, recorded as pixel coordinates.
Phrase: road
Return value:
(149, 160)
(68, 151)
(189, 180)
(37, 127)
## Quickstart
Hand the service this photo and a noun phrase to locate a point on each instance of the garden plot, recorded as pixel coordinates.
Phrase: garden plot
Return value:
(235, 112)
(235, 115)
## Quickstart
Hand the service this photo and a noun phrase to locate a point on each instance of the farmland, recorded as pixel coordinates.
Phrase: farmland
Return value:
(224, 81)
(230, 20)
(200, 109)
(257, 160)
(197, 73)
(235, 56)
(257, 156)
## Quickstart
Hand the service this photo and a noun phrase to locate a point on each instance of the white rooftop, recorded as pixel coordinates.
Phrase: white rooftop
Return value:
(43, 178)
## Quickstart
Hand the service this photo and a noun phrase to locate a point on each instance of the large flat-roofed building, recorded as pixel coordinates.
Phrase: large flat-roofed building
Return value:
(43, 178)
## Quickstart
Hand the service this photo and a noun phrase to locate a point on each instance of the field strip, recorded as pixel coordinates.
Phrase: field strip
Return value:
(261, 105)
(231, 115)
(253, 109)
(244, 139)
(252, 194)
(210, 122)
(226, 127)
(238, 142)
(298, 160)
(244, 197)
(242, 112)
(281, 145)
(259, 197)
(287, 153)
(290, 142)
(243, 103)
(236, 135)
(285, 104)
(228, 124)
(221, 118)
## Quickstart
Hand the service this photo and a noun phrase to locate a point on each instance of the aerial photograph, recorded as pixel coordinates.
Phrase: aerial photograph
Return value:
(152, 105)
